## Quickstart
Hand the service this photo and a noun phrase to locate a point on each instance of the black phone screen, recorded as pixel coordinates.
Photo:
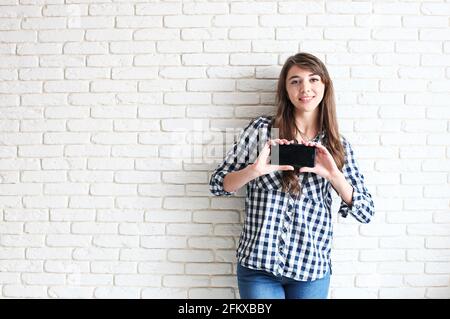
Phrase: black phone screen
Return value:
(297, 155)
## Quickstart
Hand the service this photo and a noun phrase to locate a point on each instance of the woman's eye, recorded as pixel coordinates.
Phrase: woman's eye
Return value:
(314, 80)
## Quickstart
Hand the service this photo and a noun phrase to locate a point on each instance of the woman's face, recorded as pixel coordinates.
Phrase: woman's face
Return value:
(305, 89)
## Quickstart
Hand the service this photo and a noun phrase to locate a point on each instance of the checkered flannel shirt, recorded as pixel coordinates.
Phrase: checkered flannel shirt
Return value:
(287, 235)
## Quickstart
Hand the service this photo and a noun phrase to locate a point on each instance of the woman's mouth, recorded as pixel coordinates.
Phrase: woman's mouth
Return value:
(306, 99)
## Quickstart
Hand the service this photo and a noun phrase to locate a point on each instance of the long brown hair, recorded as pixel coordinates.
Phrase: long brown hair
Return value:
(284, 119)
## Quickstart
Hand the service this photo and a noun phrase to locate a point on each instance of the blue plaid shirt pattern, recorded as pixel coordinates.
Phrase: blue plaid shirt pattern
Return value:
(283, 234)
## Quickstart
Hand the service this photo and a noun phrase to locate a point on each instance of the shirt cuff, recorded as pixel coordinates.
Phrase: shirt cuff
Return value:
(217, 186)
(344, 209)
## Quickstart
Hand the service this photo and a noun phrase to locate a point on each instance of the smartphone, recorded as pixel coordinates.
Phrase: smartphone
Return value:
(297, 155)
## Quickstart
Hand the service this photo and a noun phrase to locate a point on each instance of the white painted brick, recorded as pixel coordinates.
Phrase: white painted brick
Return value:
(63, 240)
(137, 177)
(227, 229)
(23, 240)
(108, 60)
(25, 214)
(18, 36)
(225, 255)
(235, 20)
(115, 241)
(157, 34)
(187, 255)
(252, 59)
(285, 20)
(230, 72)
(402, 242)
(401, 267)
(11, 228)
(395, 34)
(83, 151)
(300, 33)
(179, 46)
(211, 33)
(166, 293)
(117, 293)
(429, 229)
(43, 23)
(89, 202)
(437, 267)
(163, 242)
(47, 227)
(427, 280)
(40, 151)
(72, 215)
(49, 253)
(111, 35)
(111, 9)
(344, 242)
(185, 203)
(138, 22)
(211, 293)
(227, 46)
(137, 254)
(370, 46)
(9, 278)
(138, 280)
(167, 216)
(211, 242)
(27, 87)
(61, 35)
(86, 73)
(94, 253)
(330, 20)
(204, 59)
(182, 73)
(79, 279)
(378, 20)
(402, 293)
(22, 291)
(100, 189)
(39, 48)
(160, 268)
(113, 267)
(66, 138)
(186, 21)
(186, 281)
(67, 292)
(138, 202)
(158, 9)
(377, 280)
(189, 229)
(437, 242)
(120, 216)
(435, 293)
(243, 33)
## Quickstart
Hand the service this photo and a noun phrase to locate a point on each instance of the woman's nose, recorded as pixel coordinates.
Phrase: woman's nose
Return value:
(305, 87)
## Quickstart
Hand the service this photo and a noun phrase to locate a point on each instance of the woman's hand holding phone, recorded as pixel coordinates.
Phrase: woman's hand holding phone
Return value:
(325, 165)
(262, 167)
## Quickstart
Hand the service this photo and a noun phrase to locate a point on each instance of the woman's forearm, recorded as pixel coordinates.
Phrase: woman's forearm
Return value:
(342, 187)
(235, 180)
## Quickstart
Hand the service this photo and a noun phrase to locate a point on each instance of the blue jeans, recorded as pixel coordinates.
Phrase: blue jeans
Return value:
(260, 284)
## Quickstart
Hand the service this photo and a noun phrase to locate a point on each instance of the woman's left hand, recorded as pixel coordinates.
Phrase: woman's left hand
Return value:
(325, 164)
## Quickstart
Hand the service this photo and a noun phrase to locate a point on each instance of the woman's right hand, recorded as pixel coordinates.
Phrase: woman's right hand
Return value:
(261, 165)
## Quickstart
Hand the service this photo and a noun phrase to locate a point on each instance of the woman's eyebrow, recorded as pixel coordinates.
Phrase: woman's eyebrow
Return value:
(296, 76)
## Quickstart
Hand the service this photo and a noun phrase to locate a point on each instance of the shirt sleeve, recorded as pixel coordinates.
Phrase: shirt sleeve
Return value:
(362, 207)
(244, 151)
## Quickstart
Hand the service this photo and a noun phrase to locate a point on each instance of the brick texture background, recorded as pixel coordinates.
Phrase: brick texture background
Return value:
(114, 113)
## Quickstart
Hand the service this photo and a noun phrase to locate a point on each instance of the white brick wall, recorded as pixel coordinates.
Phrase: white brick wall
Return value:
(112, 116)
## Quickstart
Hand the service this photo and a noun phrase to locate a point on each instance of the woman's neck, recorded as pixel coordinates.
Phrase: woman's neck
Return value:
(307, 124)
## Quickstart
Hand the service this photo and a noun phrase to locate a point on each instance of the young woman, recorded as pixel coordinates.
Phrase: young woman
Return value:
(285, 244)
